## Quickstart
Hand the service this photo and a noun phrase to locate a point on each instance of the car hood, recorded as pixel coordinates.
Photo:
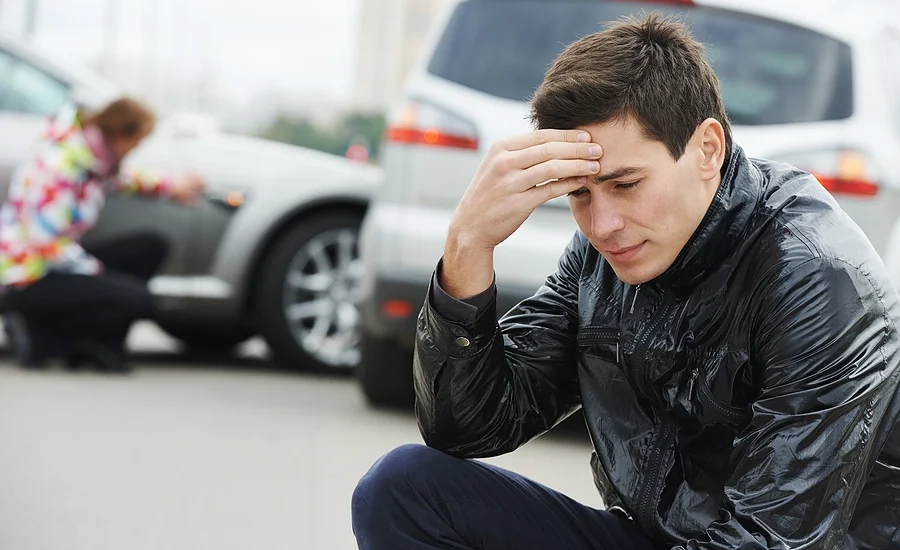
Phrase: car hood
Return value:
(252, 159)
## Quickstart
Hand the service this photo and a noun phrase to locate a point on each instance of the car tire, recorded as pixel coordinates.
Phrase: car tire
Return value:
(385, 373)
(285, 337)
(208, 340)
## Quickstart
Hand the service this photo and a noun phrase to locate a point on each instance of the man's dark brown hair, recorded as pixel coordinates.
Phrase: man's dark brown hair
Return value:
(651, 69)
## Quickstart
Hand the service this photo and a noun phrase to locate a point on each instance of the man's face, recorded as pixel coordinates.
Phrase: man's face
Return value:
(643, 206)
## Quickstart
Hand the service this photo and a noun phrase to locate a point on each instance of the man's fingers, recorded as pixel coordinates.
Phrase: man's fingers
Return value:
(531, 139)
(555, 170)
(532, 156)
(554, 189)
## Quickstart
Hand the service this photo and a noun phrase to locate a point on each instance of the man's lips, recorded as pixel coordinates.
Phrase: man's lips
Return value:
(625, 254)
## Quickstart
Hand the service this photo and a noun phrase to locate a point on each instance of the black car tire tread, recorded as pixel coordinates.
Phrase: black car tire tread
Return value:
(385, 373)
(204, 338)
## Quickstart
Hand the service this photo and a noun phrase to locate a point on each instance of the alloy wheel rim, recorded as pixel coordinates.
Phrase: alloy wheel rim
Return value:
(322, 296)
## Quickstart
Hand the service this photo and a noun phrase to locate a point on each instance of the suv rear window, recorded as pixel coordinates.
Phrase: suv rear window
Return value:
(770, 72)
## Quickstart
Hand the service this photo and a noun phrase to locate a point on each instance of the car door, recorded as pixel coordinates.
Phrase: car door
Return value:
(224, 170)
(126, 213)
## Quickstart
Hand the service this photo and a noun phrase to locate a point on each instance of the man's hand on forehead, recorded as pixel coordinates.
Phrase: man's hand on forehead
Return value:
(559, 155)
(520, 173)
(517, 175)
(541, 137)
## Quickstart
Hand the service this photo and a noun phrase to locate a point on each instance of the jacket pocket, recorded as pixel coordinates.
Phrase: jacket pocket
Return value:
(599, 342)
(715, 408)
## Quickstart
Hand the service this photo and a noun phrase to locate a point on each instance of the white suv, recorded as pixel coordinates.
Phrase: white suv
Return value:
(813, 84)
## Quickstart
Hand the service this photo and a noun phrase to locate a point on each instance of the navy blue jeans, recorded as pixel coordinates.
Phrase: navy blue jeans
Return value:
(418, 498)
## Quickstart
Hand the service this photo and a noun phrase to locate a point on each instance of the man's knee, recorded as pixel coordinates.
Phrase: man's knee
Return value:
(398, 470)
(401, 474)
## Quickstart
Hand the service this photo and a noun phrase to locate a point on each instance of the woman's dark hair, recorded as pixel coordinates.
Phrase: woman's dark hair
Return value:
(123, 118)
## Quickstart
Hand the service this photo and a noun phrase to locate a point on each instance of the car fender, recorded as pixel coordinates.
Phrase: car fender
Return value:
(270, 208)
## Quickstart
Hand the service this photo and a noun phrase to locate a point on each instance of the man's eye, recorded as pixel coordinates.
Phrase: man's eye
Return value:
(627, 185)
(578, 192)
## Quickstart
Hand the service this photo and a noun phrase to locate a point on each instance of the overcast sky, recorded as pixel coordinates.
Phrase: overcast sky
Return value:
(306, 47)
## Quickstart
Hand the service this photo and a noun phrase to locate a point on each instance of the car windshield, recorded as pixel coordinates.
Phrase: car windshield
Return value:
(770, 72)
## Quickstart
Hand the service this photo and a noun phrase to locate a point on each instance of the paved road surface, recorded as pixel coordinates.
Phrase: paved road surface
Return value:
(203, 456)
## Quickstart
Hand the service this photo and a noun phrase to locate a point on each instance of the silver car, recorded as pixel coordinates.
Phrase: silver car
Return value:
(271, 251)
(814, 84)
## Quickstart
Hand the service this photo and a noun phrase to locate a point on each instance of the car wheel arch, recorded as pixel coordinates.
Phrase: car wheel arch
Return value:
(282, 225)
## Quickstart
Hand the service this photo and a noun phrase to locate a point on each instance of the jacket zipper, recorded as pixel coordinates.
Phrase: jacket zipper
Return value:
(637, 371)
(650, 491)
(633, 300)
(591, 335)
(649, 494)
(691, 385)
(601, 336)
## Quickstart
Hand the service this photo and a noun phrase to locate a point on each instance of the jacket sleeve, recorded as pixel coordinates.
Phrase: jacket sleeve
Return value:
(822, 346)
(47, 191)
(485, 387)
(142, 182)
(459, 311)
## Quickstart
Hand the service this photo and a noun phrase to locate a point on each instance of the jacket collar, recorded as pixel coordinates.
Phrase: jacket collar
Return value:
(105, 161)
(67, 128)
(723, 228)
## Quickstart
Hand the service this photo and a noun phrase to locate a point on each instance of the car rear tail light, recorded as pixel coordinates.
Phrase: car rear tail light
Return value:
(396, 309)
(674, 2)
(841, 171)
(419, 123)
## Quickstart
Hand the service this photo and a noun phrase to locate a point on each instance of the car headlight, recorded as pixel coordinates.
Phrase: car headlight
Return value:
(227, 198)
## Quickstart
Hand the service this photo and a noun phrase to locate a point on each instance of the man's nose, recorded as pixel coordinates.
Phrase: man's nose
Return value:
(605, 221)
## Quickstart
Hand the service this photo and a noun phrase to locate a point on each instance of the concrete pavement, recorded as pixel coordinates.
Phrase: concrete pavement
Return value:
(204, 456)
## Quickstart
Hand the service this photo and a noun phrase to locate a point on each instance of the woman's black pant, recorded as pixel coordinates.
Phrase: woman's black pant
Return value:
(62, 310)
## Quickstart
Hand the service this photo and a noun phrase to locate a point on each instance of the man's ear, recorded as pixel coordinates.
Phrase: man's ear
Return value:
(711, 139)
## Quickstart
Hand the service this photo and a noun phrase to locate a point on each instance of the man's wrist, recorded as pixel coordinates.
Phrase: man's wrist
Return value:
(458, 311)
(467, 270)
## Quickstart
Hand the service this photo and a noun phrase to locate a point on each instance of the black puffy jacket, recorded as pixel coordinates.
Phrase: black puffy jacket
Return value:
(745, 399)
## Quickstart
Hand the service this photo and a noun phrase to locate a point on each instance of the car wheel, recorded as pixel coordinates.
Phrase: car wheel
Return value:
(385, 373)
(207, 339)
(307, 294)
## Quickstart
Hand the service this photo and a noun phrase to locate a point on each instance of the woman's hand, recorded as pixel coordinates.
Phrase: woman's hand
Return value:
(187, 188)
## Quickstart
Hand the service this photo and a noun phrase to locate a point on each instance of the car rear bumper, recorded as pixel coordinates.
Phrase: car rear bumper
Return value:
(381, 310)
(401, 244)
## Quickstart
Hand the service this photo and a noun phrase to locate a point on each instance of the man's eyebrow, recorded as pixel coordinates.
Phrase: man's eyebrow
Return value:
(618, 173)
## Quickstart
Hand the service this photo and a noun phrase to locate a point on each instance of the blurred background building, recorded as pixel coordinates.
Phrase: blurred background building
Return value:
(391, 36)
(246, 63)
(316, 74)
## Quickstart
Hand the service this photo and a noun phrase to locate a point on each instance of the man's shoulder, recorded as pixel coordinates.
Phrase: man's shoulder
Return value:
(799, 235)
(798, 220)
(793, 258)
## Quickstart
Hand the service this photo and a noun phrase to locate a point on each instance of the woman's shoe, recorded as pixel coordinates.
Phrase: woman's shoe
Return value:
(23, 346)
(111, 360)
(78, 360)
